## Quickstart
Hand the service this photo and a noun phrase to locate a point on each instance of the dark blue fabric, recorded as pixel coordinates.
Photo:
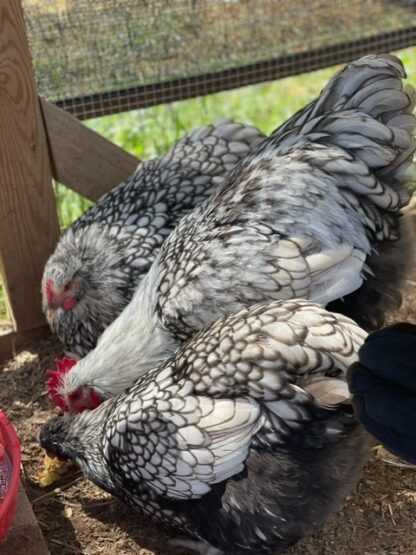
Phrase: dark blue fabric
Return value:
(383, 385)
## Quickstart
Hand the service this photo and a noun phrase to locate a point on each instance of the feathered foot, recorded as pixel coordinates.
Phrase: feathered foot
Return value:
(200, 547)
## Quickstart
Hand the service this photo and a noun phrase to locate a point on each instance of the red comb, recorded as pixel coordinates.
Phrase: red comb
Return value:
(55, 378)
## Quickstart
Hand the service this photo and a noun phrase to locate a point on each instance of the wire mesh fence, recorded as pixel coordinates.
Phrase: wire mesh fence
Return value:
(108, 56)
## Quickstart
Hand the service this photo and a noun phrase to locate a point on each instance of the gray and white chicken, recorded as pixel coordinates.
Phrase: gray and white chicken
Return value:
(244, 438)
(314, 212)
(101, 257)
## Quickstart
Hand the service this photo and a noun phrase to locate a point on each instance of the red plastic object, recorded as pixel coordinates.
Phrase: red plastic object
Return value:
(9, 439)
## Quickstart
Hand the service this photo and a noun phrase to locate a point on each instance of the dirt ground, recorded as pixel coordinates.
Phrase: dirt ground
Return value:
(76, 517)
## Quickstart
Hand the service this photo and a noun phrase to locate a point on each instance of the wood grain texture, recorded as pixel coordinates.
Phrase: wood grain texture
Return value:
(28, 220)
(81, 159)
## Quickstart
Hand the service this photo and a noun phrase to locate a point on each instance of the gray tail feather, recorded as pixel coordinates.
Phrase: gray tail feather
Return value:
(367, 112)
(380, 292)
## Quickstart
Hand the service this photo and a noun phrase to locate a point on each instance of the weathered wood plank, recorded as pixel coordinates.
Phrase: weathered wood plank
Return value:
(81, 159)
(11, 341)
(28, 220)
(24, 537)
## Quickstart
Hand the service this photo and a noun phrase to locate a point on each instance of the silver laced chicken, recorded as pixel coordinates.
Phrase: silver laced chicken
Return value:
(244, 438)
(314, 212)
(101, 257)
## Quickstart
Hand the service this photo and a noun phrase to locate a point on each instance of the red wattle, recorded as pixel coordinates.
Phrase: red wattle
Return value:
(95, 399)
(69, 303)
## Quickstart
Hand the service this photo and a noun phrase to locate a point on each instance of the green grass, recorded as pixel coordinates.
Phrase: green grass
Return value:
(150, 132)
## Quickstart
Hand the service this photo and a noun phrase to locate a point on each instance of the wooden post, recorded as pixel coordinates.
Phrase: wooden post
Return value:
(29, 225)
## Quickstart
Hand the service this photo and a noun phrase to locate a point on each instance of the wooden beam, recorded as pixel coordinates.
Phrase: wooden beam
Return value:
(28, 220)
(11, 341)
(82, 159)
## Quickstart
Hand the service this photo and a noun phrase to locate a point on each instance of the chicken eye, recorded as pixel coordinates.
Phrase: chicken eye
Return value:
(67, 286)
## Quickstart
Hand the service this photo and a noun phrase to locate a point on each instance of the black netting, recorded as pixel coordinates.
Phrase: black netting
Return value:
(108, 56)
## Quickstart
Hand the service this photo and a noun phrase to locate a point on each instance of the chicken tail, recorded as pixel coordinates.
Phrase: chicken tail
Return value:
(361, 130)
(365, 111)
